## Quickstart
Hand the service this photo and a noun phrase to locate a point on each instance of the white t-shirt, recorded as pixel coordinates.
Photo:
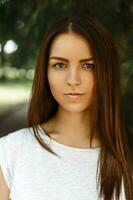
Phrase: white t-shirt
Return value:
(33, 173)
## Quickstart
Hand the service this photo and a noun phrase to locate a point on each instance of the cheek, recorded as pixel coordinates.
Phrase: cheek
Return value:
(89, 82)
(54, 82)
(91, 88)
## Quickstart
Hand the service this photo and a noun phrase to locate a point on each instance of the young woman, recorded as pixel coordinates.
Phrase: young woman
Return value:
(77, 146)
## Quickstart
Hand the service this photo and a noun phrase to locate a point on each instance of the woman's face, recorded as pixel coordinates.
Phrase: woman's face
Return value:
(71, 69)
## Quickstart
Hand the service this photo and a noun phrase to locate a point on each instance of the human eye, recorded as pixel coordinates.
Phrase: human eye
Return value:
(58, 65)
(89, 66)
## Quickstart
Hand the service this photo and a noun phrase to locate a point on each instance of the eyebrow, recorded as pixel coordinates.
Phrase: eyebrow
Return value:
(66, 60)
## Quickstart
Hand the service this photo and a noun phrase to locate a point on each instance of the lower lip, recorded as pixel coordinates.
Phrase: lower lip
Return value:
(76, 96)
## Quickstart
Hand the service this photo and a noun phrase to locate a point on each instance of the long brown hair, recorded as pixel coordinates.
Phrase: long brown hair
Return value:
(115, 158)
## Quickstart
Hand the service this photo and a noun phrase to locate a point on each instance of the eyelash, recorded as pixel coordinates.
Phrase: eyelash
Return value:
(91, 66)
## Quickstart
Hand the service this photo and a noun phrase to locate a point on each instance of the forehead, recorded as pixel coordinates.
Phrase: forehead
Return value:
(70, 44)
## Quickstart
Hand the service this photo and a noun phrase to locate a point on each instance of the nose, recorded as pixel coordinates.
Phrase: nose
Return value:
(73, 77)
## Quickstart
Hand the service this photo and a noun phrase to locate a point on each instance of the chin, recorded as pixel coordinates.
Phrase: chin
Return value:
(75, 109)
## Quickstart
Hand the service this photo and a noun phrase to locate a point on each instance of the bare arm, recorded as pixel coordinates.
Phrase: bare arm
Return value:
(4, 190)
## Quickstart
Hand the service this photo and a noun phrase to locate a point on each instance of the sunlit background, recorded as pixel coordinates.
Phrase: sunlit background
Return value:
(22, 26)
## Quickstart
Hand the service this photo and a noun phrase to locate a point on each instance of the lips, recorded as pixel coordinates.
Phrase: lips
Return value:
(74, 94)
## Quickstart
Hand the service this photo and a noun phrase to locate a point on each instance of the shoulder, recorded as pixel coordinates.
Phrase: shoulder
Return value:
(14, 141)
(11, 148)
(16, 136)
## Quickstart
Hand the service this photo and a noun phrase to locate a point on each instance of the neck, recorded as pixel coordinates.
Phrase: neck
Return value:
(73, 127)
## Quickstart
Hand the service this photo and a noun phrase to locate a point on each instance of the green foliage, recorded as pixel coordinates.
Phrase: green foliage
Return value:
(26, 23)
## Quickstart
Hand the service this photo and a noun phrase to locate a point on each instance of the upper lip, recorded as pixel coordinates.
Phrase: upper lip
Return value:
(74, 93)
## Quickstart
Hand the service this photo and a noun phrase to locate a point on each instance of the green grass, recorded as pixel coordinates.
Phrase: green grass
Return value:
(13, 93)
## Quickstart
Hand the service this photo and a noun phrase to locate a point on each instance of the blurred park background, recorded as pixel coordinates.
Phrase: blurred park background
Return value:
(22, 25)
